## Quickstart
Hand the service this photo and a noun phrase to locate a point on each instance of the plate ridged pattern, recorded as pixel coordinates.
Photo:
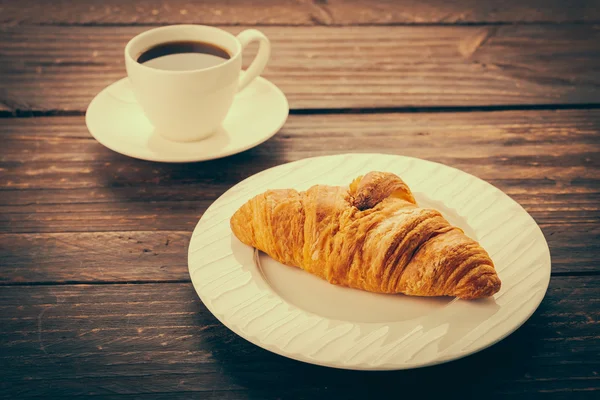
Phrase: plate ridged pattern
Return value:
(228, 278)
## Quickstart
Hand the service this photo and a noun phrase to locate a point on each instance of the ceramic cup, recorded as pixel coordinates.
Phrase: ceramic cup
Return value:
(190, 105)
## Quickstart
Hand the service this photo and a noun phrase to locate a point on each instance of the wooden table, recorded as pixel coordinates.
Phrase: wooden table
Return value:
(95, 296)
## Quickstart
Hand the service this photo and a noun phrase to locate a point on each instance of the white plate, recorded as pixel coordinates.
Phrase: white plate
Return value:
(116, 120)
(292, 313)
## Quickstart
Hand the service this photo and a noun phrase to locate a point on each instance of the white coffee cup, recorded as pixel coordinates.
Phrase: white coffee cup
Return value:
(190, 105)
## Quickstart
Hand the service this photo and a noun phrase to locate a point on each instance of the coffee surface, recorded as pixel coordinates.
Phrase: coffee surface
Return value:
(183, 56)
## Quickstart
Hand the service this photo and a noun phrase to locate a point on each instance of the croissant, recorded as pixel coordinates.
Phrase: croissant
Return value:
(370, 235)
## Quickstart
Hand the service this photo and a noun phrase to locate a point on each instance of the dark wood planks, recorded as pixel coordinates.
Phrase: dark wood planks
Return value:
(60, 69)
(57, 182)
(543, 204)
(548, 161)
(302, 12)
(63, 196)
(157, 338)
(159, 256)
(95, 257)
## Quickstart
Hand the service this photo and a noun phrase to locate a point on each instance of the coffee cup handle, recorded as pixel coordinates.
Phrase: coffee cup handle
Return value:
(260, 60)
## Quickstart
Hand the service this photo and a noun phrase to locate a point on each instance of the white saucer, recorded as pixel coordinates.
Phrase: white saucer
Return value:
(116, 120)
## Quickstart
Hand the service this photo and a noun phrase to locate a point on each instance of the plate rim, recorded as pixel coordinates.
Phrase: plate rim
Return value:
(365, 367)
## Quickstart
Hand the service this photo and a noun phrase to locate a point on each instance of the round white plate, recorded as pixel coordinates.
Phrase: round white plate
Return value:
(295, 314)
(116, 120)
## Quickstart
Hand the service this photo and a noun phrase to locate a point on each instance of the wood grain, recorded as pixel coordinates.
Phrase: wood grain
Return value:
(154, 215)
(301, 12)
(56, 178)
(96, 257)
(57, 181)
(60, 69)
(72, 211)
(159, 256)
(158, 338)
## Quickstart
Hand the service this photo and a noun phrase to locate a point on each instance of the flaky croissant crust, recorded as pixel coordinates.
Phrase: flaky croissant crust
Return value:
(370, 235)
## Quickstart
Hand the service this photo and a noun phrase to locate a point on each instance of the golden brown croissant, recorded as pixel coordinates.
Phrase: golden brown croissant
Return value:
(371, 235)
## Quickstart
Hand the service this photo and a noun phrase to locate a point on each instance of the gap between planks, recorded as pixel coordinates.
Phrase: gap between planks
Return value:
(316, 23)
(180, 281)
(124, 282)
(362, 110)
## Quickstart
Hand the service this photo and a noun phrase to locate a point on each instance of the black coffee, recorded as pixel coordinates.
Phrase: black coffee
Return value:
(183, 56)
